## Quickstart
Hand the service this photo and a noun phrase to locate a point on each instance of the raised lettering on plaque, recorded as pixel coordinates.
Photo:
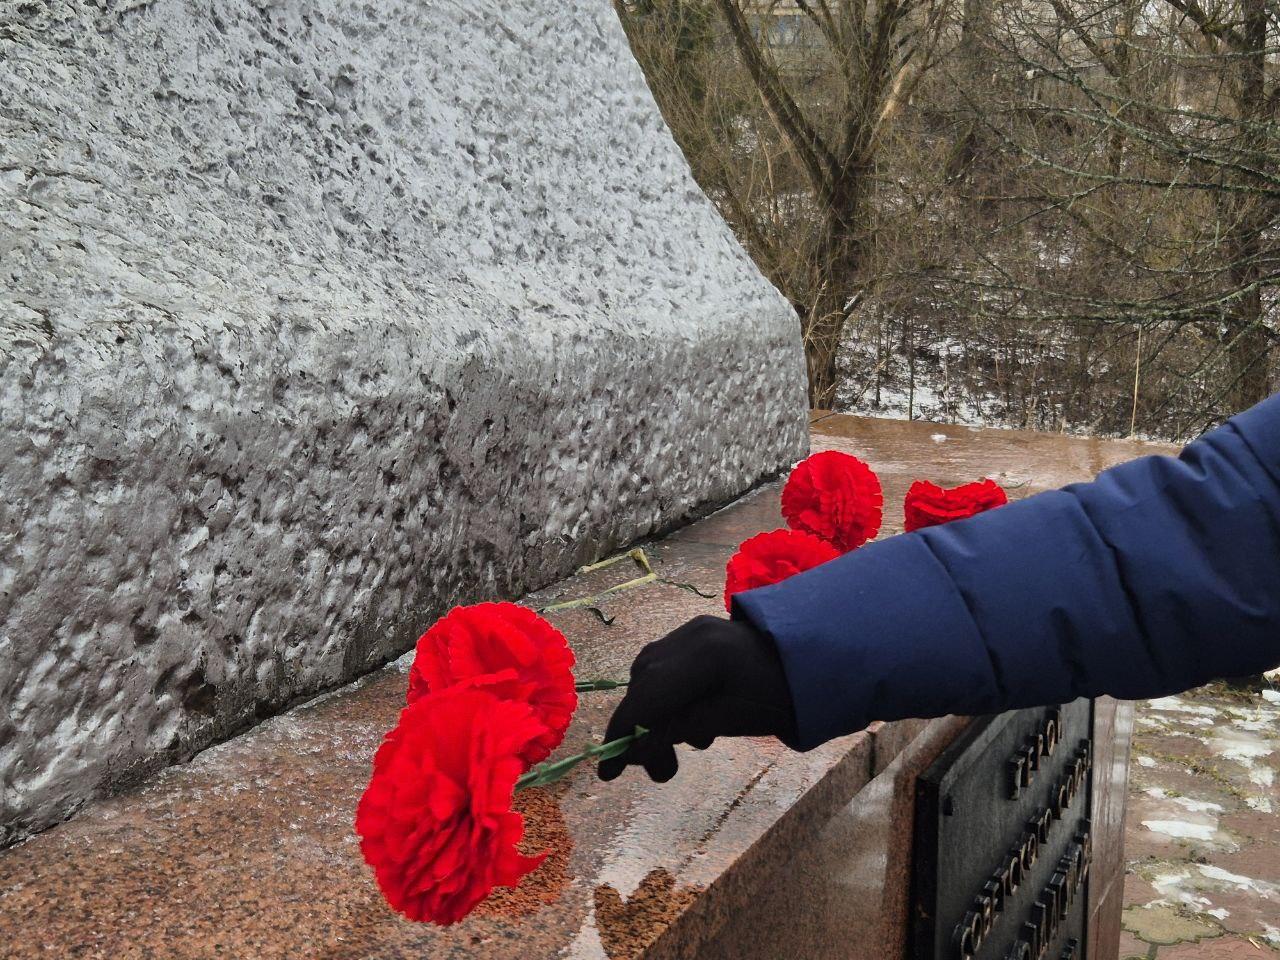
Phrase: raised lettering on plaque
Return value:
(1002, 847)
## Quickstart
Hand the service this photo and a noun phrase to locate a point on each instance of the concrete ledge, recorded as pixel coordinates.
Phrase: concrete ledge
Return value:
(318, 318)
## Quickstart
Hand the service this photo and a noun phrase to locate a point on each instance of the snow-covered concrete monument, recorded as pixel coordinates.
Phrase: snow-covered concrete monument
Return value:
(318, 317)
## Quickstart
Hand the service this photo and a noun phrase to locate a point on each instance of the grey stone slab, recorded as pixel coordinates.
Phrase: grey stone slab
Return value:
(319, 317)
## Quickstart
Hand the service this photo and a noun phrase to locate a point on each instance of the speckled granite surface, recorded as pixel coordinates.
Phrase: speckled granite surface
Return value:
(752, 852)
(317, 317)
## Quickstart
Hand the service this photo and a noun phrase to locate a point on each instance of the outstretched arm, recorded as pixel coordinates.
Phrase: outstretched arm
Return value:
(1160, 575)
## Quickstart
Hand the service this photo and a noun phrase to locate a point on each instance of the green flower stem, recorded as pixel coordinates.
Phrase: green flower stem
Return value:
(550, 772)
(585, 686)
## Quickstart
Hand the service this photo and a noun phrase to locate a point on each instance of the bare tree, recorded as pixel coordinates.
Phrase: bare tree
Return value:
(832, 124)
(1144, 152)
(1050, 213)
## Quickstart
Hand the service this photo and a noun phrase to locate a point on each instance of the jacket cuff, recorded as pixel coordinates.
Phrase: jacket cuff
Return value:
(878, 634)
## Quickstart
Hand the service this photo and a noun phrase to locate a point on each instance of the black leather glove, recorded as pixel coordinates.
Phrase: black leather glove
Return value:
(709, 678)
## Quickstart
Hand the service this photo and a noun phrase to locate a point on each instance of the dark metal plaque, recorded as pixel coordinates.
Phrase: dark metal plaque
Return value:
(1002, 845)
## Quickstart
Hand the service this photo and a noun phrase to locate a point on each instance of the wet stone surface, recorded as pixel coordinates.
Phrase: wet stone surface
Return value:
(247, 850)
(1202, 834)
(317, 318)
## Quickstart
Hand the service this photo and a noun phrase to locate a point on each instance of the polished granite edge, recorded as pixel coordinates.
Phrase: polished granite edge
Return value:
(731, 892)
(1113, 731)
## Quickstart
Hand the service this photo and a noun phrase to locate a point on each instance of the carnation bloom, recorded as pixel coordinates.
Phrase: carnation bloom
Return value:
(435, 822)
(770, 557)
(928, 504)
(834, 496)
(509, 651)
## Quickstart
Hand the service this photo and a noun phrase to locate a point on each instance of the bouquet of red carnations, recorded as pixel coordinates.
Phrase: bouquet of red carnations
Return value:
(492, 691)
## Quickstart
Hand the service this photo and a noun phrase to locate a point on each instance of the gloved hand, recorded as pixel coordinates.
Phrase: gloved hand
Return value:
(709, 678)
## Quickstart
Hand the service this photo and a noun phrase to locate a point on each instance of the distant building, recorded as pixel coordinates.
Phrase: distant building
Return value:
(781, 24)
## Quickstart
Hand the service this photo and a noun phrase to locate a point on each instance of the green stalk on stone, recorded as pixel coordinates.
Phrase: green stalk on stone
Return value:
(584, 686)
(550, 772)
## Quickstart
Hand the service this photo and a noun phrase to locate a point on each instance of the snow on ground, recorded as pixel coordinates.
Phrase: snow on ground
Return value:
(1200, 839)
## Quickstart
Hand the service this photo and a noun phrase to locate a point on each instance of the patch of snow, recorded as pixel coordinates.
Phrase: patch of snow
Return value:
(1146, 762)
(1178, 705)
(1171, 887)
(1260, 887)
(1194, 884)
(1197, 806)
(939, 438)
(1253, 726)
(1180, 829)
(1243, 750)
(1256, 719)
(1271, 696)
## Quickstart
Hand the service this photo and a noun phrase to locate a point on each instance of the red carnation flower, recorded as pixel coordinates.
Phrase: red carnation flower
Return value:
(834, 496)
(928, 504)
(435, 822)
(509, 651)
(770, 557)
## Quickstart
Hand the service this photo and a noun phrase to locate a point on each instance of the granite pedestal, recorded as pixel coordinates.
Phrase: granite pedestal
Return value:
(751, 852)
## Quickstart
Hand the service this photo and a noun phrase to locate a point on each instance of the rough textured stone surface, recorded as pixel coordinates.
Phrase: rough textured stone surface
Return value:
(317, 317)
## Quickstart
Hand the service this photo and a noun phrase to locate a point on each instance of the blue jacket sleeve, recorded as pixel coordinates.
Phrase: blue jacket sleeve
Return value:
(1160, 575)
